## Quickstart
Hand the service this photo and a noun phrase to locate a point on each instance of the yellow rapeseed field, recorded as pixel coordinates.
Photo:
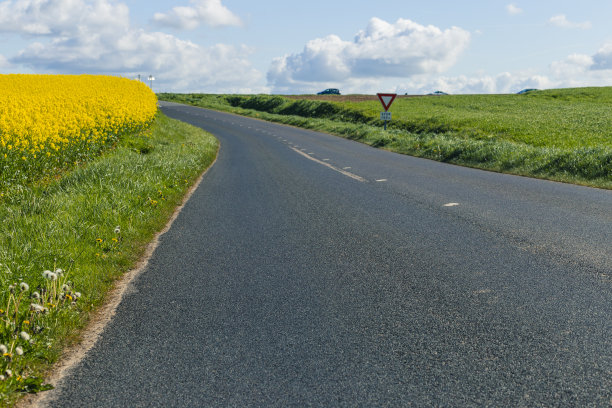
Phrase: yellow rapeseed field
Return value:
(55, 119)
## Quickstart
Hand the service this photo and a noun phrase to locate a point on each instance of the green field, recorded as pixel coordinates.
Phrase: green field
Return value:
(563, 135)
(571, 118)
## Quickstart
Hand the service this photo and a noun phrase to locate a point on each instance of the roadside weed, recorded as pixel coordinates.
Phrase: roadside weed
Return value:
(24, 321)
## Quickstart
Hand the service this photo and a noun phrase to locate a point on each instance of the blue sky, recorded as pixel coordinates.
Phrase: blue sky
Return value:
(239, 46)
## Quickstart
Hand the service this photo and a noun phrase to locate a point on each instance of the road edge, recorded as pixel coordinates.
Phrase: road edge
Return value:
(100, 319)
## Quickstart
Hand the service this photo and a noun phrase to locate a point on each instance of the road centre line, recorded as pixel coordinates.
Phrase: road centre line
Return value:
(346, 173)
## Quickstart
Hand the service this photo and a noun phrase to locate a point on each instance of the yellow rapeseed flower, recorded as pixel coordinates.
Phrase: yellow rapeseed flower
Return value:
(68, 117)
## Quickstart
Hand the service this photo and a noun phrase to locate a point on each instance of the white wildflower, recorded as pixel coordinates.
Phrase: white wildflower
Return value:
(37, 308)
(3, 349)
(24, 287)
(25, 336)
(19, 351)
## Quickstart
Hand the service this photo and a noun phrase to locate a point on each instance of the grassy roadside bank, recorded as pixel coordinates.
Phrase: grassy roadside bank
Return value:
(85, 228)
(563, 135)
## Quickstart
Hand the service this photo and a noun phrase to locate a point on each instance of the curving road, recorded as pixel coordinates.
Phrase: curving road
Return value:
(309, 270)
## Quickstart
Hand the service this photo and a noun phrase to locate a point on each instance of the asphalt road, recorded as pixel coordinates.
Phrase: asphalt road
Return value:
(309, 270)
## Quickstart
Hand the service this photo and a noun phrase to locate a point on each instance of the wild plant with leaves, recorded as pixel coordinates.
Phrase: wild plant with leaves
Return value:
(23, 322)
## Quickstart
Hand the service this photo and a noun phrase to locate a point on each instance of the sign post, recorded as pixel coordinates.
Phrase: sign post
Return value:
(386, 100)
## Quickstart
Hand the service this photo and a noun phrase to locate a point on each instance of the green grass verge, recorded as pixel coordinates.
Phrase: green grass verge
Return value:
(563, 135)
(94, 222)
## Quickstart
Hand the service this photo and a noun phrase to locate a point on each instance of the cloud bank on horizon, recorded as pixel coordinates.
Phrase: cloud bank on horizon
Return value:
(79, 36)
(100, 36)
(382, 50)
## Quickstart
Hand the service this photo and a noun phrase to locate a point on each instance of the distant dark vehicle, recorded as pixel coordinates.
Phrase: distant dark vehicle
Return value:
(438, 93)
(524, 91)
(330, 91)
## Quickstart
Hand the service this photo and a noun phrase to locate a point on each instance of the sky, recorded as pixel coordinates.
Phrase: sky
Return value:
(286, 47)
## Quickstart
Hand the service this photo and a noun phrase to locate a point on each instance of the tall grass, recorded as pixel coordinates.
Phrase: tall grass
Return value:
(94, 223)
(563, 135)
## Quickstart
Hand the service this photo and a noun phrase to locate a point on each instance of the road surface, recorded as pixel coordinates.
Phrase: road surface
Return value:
(309, 270)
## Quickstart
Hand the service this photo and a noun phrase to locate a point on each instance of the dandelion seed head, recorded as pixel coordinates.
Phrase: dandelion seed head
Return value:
(24, 336)
(65, 288)
(8, 372)
(77, 295)
(35, 295)
(37, 308)
(19, 351)
(117, 229)
(47, 275)
(3, 349)
(24, 287)
(2, 378)
(59, 272)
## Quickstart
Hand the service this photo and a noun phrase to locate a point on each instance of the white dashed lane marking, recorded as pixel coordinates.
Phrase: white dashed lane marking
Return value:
(344, 172)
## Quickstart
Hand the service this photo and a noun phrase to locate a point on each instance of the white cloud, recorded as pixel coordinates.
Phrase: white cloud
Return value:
(100, 40)
(562, 21)
(574, 66)
(602, 60)
(513, 9)
(4, 63)
(209, 12)
(62, 17)
(577, 70)
(382, 50)
(505, 82)
(177, 64)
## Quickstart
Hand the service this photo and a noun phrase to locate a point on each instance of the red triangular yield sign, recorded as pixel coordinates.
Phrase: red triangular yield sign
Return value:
(386, 100)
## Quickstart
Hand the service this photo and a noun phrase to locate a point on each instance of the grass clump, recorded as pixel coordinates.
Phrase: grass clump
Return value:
(95, 222)
(563, 135)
